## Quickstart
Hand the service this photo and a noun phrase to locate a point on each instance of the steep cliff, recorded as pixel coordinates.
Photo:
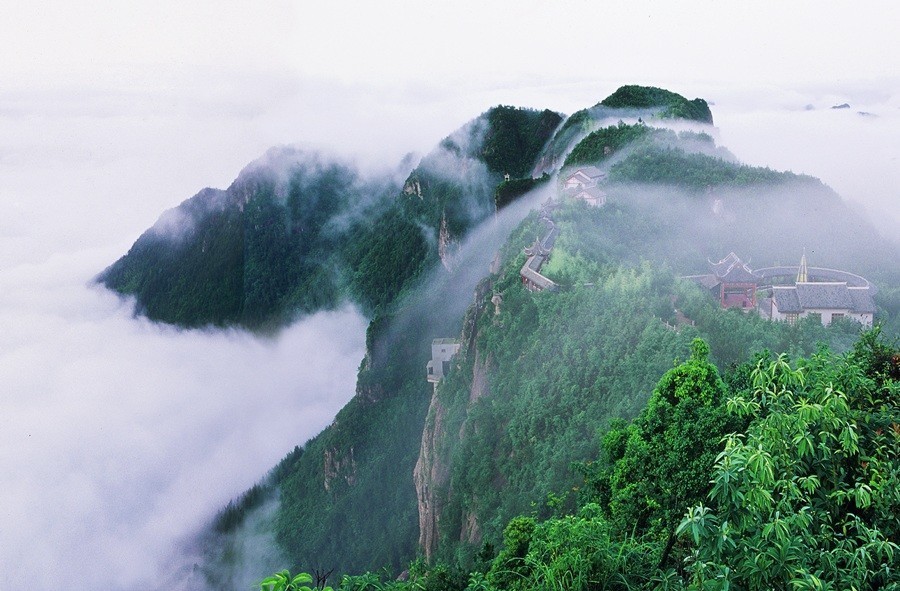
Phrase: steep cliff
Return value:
(442, 434)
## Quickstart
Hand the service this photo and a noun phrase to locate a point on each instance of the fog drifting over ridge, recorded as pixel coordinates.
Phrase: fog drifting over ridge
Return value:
(118, 436)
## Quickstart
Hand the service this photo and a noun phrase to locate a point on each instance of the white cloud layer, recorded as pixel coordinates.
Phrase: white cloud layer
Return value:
(117, 437)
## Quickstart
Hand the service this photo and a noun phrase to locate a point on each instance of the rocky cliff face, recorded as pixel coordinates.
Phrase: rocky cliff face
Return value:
(432, 472)
(445, 245)
(431, 475)
(337, 465)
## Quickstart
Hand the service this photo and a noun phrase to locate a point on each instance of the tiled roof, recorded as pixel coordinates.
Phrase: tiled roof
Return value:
(862, 300)
(586, 174)
(785, 299)
(590, 192)
(822, 296)
(592, 171)
(817, 296)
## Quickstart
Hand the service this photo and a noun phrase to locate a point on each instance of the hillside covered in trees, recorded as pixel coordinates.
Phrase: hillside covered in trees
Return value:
(553, 454)
(298, 232)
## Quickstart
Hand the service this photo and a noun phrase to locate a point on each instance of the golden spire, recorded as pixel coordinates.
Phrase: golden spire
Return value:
(802, 272)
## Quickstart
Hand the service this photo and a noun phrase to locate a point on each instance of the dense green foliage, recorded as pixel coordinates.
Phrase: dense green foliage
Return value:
(627, 101)
(559, 366)
(515, 138)
(284, 581)
(172, 275)
(804, 492)
(809, 495)
(663, 458)
(247, 255)
(295, 234)
(659, 156)
(674, 105)
(350, 500)
(673, 166)
(601, 144)
(509, 191)
(593, 348)
(562, 365)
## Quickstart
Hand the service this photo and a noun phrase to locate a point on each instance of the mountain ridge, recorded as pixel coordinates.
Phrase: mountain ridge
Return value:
(420, 240)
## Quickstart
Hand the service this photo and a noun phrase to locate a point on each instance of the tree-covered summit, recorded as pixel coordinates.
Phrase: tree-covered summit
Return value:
(673, 105)
(299, 231)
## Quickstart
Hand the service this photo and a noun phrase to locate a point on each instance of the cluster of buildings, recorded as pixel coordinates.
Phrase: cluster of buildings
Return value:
(583, 184)
(784, 294)
(790, 293)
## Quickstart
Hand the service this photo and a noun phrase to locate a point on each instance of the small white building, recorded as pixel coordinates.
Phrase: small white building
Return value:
(829, 300)
(442, 351)
(581, 183)
(583, 177)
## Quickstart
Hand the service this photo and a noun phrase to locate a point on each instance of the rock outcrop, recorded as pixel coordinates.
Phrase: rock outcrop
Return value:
(431, 475)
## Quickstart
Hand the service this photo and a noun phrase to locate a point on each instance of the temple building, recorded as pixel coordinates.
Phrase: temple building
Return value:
(538, 253)
(581, 184)
(583, 177)
(789, 293)
(828, 294)
(731, 282)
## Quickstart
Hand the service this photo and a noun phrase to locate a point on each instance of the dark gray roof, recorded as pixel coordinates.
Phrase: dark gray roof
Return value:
(530, 270)
(592, 171)
(550, 239)
(822, 296)
(785, 299)
(862, 300)
(817, 296)
(709, 281)
(534, 262)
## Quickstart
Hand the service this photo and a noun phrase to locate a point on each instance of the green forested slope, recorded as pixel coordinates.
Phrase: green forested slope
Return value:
(783, 475)
(297, 233)
(673, 105)
(552, 369)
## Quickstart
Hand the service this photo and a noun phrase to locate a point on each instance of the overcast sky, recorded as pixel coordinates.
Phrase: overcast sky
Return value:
(111, 112)
(200, 88)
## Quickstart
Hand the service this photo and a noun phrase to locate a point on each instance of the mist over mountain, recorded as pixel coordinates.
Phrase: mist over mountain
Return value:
(406, 468)
(298, 232)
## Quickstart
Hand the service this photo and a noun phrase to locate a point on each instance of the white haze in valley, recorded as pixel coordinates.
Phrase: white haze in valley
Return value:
(119, 438)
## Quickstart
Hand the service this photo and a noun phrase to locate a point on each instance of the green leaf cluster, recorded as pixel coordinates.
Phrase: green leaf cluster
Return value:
(808, 496)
